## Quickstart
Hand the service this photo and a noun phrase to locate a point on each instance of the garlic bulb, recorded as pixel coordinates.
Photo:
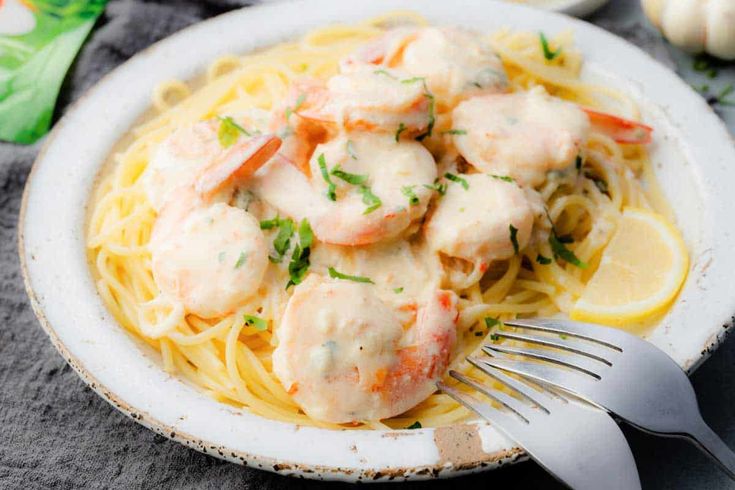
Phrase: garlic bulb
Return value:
(696, 25)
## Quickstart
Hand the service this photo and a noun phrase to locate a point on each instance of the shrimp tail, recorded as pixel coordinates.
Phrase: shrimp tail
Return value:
(238, 163)
(621, 130)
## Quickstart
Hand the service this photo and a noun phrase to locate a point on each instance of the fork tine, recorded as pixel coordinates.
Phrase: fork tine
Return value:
(536, 397)
(591, 350)
(485, 410)
(522, 410)
(574, 382)
(583, 364)
(611, 337)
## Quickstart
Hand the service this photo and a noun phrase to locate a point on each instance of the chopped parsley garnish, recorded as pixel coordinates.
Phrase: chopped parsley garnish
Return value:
(504, 178)
(543, 260)
(432, 118)
(455, 131)
(561, 251)
(372, 201)
(414, 80)
(331, 188)
(257, 322)
(354, 179)
(401, 128)
(407, 191)
(229, 131)
(299, 102)
(491, 322)
(299, 264)
(283, 239)
(386, 73)
(724, 93)
(397, 290)
(514, 238)
(335, 274)
(415, 425)
(241, 260)
(269, 224)
(548, 53)
(350, 147)
(438, 187)
(457, 179)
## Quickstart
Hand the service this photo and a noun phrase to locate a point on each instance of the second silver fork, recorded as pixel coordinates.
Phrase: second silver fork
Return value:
(615, 370)
(578, 444)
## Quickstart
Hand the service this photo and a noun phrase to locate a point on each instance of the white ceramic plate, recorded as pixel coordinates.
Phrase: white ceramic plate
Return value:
(693, 157)
(580, 8)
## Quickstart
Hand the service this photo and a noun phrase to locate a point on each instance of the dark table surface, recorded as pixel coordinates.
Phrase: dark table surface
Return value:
(56, 432)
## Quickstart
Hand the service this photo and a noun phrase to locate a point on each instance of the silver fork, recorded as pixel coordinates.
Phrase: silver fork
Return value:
(615, 370)
(578, 444)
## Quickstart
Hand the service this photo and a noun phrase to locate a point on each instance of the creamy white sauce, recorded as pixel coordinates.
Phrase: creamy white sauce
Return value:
(456, 63)
(523, 135)
(213, 261)
(474, 223)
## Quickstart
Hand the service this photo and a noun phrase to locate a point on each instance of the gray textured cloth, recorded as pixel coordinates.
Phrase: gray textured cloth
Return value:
(55, 432)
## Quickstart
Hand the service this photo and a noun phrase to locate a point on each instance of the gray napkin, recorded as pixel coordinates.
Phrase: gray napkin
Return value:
(56, 433)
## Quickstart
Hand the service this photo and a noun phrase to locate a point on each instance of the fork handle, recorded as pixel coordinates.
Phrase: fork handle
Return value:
(707, 440)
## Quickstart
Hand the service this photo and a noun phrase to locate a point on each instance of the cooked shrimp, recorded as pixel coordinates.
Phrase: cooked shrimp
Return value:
(377, 188)
(369, 98)
(455, 63)
(527, 134)
(344, 357)
(476, 224)
(206, 255)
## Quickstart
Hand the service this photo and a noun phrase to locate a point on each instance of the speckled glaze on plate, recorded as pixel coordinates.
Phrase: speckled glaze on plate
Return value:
(693, 157)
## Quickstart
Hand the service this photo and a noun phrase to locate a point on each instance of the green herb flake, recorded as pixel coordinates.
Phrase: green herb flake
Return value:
(350, 147)
(354, 179)
(401, 128)
(543, 260)
(703, 64)
(331, 188)
(398, 290)
(269, 224)
(415, 425)
(372, 201)
(561, 251)
(438, 187)
(299, 102)
(495, 337)
(241, 260)
(386, 73)
(491, 322)
(257, 322)
(504, 178)
(335, 274)
(514, 238)
(229, 131)
(283, 240)
(408, 81)
(407, 191)
(432, 118)
(300, 263)
(548, 53)
(722, 97)
(458, 180)
(455, 131)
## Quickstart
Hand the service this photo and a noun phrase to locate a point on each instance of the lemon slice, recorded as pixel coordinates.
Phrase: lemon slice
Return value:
(641, 270)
